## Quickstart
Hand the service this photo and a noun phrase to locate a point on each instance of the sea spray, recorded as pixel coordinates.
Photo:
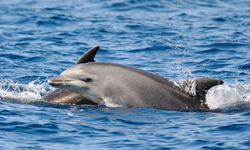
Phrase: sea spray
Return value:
(228, 97)
(14, 91)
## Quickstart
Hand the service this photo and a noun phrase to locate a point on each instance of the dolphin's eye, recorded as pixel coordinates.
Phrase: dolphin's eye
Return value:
(87, 80)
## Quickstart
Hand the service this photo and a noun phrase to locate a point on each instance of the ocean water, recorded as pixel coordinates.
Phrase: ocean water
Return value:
(177, 39)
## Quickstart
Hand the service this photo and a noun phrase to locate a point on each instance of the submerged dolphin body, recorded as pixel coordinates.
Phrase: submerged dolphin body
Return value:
(65, 96)
(120, 85)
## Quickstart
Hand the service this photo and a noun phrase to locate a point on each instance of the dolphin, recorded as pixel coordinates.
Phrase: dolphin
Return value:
(65, 96)
(119, 85)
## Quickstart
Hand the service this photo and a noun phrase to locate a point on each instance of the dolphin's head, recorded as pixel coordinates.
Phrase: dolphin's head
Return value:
(78, 79)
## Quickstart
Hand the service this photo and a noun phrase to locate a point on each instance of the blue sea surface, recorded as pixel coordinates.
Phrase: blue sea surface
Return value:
(177, 39)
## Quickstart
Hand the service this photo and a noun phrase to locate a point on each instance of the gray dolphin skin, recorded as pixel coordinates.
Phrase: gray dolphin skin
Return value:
(118, 85)
(65, 96)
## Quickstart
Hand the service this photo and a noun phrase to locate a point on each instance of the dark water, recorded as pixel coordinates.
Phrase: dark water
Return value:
(177, 39)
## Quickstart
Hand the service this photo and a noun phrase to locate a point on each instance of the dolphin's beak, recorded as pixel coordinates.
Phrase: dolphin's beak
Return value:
(60, 80)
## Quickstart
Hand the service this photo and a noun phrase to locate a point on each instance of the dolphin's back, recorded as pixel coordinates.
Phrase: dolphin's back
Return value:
(155, 77)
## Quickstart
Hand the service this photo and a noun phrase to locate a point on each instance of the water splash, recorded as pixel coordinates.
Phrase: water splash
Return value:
(11, 91)
(228, 97)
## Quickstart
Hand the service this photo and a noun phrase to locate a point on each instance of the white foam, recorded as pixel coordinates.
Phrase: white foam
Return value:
(21, 92)
(227, 96)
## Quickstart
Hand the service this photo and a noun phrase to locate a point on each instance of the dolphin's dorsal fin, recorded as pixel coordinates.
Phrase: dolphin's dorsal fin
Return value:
(198, 87)
(89, 56)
